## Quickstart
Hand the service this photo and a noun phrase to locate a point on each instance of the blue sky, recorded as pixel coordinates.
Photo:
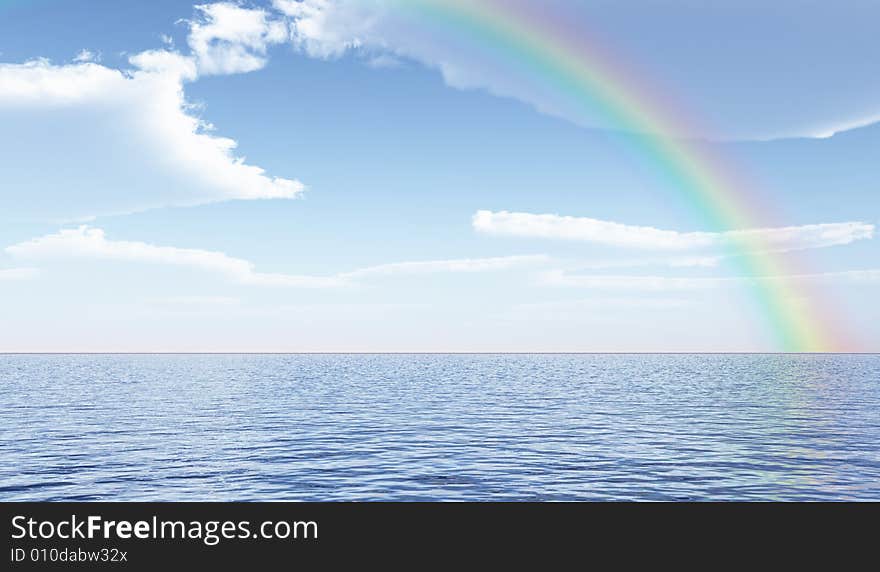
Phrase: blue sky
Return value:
(285, 177)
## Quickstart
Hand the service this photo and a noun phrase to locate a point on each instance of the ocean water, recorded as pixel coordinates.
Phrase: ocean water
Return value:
(440, 427)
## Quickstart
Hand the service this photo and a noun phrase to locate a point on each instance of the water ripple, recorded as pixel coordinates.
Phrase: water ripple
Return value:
(440, 427)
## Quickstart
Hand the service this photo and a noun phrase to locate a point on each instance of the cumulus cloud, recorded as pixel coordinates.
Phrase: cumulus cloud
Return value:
(85, 139)
(167, 63)
(227, 38)
(92, 243)
(584, 229)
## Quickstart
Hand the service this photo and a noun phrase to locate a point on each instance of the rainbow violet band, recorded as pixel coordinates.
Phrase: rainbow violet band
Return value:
(563, 59)
(572, 63)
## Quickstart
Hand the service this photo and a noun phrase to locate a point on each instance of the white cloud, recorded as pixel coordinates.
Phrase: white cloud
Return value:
(827, 131)
(375, 28)
(17, 273)
(871, 276)
(553, 226)
(330, 28)
(85, 55)
(666, 262)
(165, 62)
(85, 139)
(625, 282)
(379, 30)
(227, 38)
(454, 265)
(577, 310)
(92, 243)
(384, 61)
(87, 242)
(198, 301)
(694, 262)
(326, 28)
(561, 278)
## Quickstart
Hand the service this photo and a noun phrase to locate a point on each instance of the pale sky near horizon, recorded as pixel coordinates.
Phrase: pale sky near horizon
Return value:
(311, 176)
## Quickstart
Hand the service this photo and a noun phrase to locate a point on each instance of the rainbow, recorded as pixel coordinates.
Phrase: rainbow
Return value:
(574, 64)
(565, 60)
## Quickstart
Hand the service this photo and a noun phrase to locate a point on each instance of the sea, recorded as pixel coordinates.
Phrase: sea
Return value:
(432, 427)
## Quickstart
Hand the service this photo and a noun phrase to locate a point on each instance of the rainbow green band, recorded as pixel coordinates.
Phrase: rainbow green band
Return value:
(585, 73)
(555, 57)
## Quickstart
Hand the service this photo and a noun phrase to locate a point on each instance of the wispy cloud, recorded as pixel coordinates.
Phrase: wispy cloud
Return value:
(331, 28)
(227, 38)
(577, 310)
(454, 265)
(92, 243)
(384, 61)
(660, 261)
(552, 226)
(561, 278)
(85, 55)
(17, 273)
(198, 301)
(831, 130)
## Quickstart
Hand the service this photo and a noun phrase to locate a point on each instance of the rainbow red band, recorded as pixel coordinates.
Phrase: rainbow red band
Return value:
(555, 55)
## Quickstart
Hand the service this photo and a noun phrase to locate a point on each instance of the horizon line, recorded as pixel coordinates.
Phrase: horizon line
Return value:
(209, 353)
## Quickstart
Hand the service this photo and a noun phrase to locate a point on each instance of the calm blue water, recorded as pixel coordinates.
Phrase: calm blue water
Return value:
(428, 427)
